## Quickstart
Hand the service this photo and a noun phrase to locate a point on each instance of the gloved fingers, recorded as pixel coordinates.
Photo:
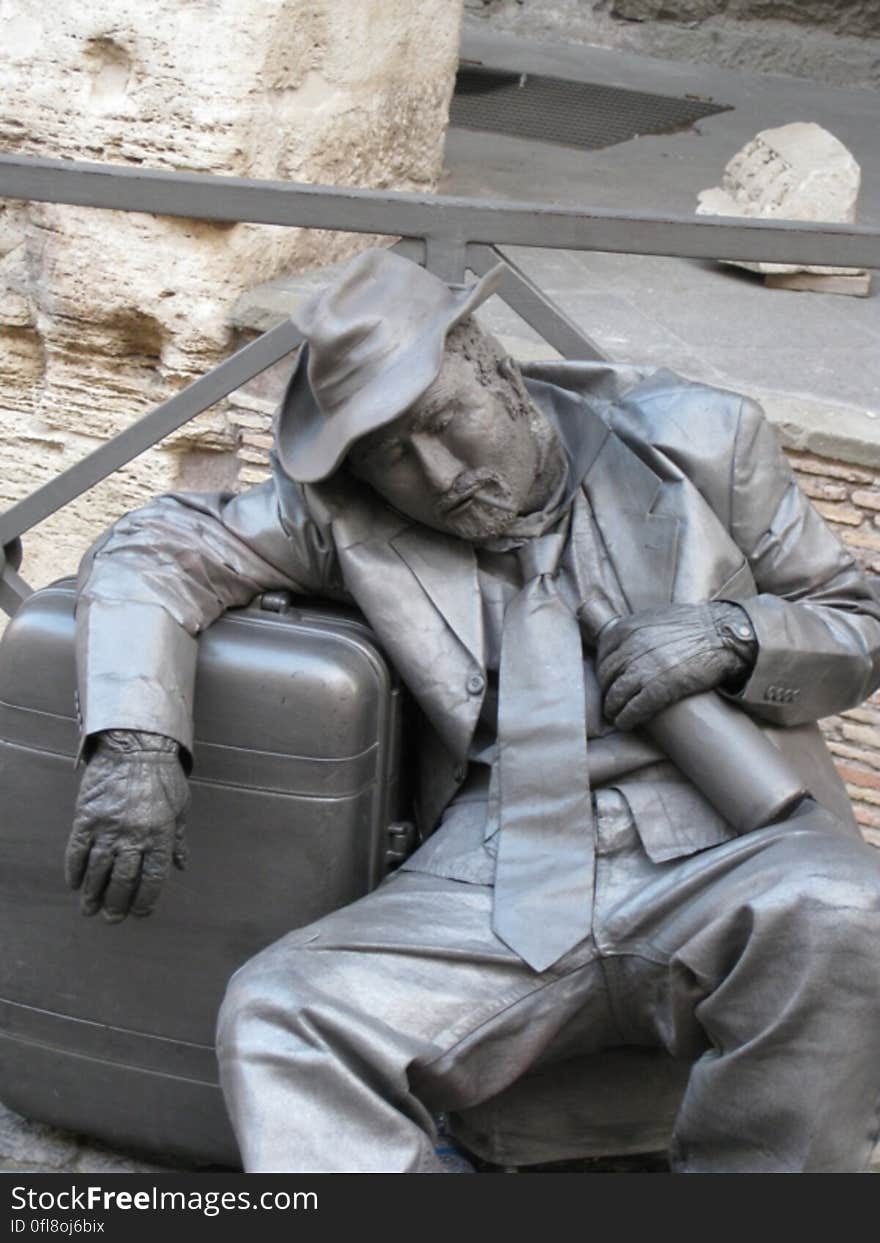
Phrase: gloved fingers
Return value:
(623, 646)
(76, 856)
(613, 668)
(97, 874)
(147, 896)
(156, 866)
(121, 886)
(634, 701)
(608, 662)
(655, 644)
(629, 681)
(645, 702)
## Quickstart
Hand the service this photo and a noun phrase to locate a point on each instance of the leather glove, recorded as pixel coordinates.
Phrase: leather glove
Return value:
(129, 824)
(654, 658)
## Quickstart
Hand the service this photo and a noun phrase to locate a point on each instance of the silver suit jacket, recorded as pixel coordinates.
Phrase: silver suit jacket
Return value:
(694, 500)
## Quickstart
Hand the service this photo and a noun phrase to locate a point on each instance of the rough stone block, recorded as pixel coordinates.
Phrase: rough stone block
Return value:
(856, 285)
(794, 172)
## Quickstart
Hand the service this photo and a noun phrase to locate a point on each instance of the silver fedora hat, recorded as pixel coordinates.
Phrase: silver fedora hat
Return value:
(374, 341)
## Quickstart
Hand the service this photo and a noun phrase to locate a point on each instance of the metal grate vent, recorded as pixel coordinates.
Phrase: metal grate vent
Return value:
(574, 114)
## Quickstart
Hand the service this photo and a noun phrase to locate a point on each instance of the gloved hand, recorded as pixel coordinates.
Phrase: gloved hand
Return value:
(654, 658)
(129, 824)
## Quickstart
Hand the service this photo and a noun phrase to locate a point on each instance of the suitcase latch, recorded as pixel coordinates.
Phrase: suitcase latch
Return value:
(401, 840)
(275, 601)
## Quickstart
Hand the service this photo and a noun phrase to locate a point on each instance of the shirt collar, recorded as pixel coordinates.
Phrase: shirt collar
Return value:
(581, 432)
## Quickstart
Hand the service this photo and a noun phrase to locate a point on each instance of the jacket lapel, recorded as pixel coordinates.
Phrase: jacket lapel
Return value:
(642, 541)
(418, 589)
(446, 569)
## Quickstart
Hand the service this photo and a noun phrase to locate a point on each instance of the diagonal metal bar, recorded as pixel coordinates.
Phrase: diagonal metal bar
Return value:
(446, 258)
(13, 591)
(222, 380)
(411, 248)
(523, 296)
(209, 197)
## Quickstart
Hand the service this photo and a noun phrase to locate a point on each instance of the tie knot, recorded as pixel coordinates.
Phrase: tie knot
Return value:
(541, 555)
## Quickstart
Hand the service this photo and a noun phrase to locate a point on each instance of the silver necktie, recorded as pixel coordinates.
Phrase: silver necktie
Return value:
(544, 872)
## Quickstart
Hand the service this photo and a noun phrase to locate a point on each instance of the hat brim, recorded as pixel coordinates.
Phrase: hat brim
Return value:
(310, 446)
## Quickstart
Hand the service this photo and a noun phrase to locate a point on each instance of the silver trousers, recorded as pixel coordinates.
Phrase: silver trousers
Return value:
(758, 959)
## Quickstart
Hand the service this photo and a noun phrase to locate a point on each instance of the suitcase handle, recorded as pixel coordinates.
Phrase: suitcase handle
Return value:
(288, 604)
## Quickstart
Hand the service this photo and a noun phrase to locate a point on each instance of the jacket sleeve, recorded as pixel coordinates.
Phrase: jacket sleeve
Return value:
(152, 582)
(817, 617)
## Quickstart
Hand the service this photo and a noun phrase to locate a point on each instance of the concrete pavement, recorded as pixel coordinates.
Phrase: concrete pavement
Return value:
(813, 359)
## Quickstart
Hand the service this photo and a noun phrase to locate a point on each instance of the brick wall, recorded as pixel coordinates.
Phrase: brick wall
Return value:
(849, 499)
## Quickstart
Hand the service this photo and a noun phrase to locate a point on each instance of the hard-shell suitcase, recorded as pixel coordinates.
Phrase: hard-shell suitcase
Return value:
(109, 1029)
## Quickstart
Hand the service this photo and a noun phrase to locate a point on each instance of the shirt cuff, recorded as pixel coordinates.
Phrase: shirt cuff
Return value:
(137, 669)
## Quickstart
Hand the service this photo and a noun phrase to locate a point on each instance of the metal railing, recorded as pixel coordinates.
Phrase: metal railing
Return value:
(449, 235)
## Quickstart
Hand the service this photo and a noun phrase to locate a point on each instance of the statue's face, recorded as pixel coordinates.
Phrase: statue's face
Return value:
(463, 459)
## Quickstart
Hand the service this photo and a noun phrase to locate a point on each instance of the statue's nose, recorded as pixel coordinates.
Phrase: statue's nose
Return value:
(440, 467)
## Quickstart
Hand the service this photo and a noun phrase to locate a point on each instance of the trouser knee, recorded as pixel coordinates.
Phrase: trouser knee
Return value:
(830, 893)
(815, 924)
(269, 991)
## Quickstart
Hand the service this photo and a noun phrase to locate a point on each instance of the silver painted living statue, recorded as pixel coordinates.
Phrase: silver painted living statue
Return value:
(557, 559)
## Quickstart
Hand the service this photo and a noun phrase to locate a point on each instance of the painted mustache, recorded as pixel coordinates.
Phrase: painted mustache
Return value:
(480, 484)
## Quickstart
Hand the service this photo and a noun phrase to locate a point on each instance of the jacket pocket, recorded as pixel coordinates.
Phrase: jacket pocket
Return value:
(673, 819)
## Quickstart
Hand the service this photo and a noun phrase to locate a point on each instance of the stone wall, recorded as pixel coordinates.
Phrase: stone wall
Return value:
(105, 314)
(824, 40)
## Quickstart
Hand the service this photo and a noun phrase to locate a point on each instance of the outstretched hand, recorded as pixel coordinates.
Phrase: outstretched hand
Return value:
(129, 824)
(654, 658)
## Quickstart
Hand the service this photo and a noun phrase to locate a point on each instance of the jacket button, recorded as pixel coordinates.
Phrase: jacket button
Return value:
(475, 684)
(458, 772)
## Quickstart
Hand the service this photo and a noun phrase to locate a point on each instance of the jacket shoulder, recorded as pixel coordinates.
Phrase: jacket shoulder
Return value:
(683, 418)
(710, 435)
